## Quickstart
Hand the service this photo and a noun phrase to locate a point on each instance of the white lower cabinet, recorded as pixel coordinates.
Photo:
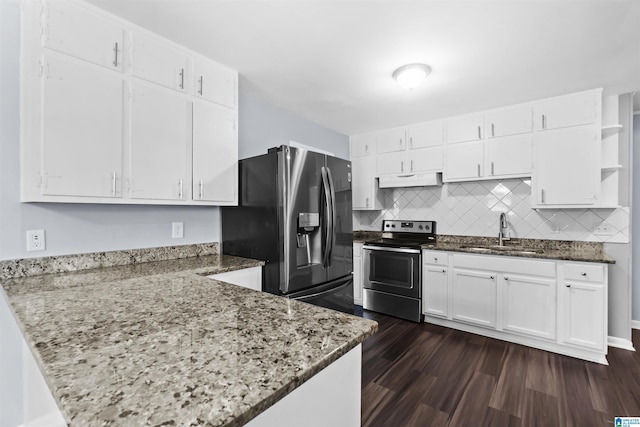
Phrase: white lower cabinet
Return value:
(529, 305)
(435, 284)
(584, 306)
(357, 273)
(247, 277)
(554, 305)
(474, 297)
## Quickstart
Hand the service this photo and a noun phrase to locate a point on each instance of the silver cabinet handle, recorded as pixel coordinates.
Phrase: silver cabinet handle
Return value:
(367, 203)
(479, 132)
(201, 80)
(180, 189)
(201, 190)
(402, 166)
(544, 122)
(492, 169)
(410, 142)
(115, 55)
(181, 78)
(411, 165)
(366, 150)
(113, 184)
(478, 169)
(493, 130)
(542, 196)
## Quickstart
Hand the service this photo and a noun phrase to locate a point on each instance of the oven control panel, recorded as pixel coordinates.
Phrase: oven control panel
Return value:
(397, 226)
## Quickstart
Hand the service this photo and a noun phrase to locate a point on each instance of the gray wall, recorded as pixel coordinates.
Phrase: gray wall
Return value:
(635, 221)
(263, 126)
(76, 228)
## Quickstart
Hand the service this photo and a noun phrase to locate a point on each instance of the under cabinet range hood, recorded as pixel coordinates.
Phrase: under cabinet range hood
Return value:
(413, 180)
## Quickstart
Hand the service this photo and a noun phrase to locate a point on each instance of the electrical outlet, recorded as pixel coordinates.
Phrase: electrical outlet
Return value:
(177, 230)
(35, 240)
(603, 229)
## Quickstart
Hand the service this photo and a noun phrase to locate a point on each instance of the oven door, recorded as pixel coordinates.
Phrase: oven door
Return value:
(392, 270)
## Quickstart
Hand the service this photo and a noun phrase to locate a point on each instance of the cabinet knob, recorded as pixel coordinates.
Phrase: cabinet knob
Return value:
(506, 278)
(583, 274)
(491, 277)
(435, 258)
(567, 285)
(444, 271)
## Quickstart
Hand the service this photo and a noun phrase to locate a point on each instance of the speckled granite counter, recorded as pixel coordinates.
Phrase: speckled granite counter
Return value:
(546, 249)
(157, 343)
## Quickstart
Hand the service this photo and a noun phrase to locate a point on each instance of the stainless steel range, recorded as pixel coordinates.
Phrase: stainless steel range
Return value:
(392, 268)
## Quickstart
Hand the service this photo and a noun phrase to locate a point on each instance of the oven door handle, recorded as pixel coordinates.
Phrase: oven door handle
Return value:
(391, 249)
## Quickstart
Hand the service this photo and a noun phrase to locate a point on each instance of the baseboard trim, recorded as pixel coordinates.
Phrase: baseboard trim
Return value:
(620, 343)
(635, 324)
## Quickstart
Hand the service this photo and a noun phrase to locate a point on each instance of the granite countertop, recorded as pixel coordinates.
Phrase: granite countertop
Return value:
(529, 248)
(157, 343)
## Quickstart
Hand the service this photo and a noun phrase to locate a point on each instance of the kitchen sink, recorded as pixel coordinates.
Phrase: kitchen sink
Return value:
(506, 249)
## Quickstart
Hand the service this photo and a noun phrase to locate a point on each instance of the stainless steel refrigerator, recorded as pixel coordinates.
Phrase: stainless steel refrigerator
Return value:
(294, 213)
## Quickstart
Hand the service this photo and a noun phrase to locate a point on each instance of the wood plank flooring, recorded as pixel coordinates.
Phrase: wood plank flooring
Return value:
(427, 375)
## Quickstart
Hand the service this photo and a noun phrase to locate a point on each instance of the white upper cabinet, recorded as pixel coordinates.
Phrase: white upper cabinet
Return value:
(566, 167)
(215, 156)
(465, 128)
(215, 83)
(388, 141)
(365, 192)
(464, 162)
(428, 134)
(569, 110)
(363, 145)
(509, 121)
(158, 62)
(72, 29)
(81, 130)
(508, 156)
(158, 136)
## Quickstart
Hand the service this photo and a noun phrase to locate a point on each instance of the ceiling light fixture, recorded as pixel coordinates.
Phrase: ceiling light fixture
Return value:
(411, 75)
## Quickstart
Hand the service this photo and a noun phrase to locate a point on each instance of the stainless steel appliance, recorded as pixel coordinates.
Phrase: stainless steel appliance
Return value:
(294, 213)
(392, 268)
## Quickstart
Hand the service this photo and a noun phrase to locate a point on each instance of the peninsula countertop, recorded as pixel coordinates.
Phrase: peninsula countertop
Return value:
(157, 343)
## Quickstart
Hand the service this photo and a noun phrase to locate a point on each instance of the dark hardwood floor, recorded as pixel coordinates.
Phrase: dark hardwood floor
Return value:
(427, 375)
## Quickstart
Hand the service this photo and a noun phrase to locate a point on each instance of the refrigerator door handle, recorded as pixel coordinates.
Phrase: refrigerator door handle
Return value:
(327, 216)
(332, 216)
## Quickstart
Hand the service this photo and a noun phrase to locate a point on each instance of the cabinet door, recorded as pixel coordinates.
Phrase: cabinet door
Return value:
(71, 29)
(435, 291)
(158, 62)
(215, 83)
(509, 156)
(428, 134)
(215, 154)
(392, 164)
(364, 187)
(81, 130)
(158, 135)
(363, 145)
(571, 110)
(464, 162)
(357, 273)
(465, 128)
(390, 140)
(509, 121)
(425, 159)
(474, 297)
(584, 315)
(565, 167)
(529, 306)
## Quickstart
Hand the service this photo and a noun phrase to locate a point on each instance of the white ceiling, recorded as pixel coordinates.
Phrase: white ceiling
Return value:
(331, 61)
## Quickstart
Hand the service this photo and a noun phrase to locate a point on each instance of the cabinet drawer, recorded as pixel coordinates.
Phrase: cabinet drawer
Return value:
(435, 258)
(583, 272)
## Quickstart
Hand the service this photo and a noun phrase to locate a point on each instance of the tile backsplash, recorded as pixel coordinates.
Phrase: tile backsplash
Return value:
(473, 209)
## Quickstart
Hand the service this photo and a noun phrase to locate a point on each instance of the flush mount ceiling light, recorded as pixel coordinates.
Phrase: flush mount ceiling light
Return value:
(411, 75)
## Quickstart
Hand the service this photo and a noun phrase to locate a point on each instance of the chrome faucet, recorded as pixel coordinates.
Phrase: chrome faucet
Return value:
(503, 233)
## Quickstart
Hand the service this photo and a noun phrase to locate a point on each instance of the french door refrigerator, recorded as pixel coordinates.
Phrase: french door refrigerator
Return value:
(294, 213)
